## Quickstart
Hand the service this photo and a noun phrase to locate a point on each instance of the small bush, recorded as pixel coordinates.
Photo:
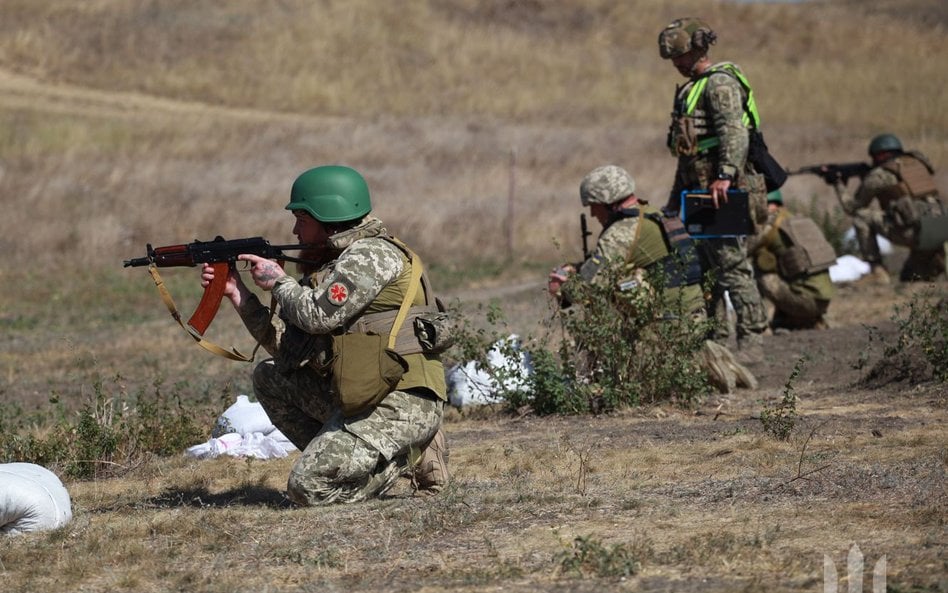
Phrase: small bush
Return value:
(834, 223)
(108, 435)
(598, 356)
(919, 353)
(589, 556)
(779, 420)
(923, 326)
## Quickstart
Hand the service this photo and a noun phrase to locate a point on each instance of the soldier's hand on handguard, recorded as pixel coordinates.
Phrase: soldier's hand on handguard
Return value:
(830, 175)
(558, 276)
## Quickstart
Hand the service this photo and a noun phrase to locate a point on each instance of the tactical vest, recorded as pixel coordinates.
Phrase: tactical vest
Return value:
(424, 370)
(798, 245)
(678, 263)
(691, 133)
(915, 177)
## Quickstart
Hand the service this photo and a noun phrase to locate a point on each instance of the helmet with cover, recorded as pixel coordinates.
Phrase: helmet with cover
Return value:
(606, 185)
(884, 143)
(331, 194)
(683, 35)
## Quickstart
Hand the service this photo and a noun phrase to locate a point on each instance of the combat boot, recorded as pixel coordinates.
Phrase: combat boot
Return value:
(431, 471)
(750, 349)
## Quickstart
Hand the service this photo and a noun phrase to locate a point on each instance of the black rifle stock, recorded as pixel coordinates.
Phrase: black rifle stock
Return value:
(831, 172)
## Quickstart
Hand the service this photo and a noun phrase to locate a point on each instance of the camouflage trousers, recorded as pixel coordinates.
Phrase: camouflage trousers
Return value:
(792, 309)
(869, 223)
(344, 459)
(726, 259)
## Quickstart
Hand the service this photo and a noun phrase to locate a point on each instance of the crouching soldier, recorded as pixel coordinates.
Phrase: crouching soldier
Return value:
(791, 261)
(350, 382)
(639, 245)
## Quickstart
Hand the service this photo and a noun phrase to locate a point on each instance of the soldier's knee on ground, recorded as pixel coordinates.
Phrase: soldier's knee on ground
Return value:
(337, 467)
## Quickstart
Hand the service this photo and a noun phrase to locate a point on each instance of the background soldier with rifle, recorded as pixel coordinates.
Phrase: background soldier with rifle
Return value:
(898, 199)
(641, 248)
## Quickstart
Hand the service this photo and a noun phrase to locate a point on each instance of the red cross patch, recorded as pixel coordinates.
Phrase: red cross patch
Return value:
(337, 293)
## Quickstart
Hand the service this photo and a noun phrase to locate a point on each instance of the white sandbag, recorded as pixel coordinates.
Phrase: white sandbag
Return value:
(256, 445)
(848, 268)
(244, 430)
(32, 498)
(469, 385)
(243, 417)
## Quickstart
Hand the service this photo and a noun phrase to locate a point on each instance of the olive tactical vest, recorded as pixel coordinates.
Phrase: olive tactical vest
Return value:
(424, 370)
(915, 179)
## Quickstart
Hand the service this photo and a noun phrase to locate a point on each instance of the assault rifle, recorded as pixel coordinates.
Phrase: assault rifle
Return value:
(221, 254)
(831, 172)
(217, 251)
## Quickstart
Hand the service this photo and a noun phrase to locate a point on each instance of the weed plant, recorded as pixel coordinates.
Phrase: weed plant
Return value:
(923, 328)
(778, 421)
(589, 556)
(108, 436)
(834, 223)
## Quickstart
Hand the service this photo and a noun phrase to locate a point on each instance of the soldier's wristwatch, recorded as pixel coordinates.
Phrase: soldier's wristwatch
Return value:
(725, 177)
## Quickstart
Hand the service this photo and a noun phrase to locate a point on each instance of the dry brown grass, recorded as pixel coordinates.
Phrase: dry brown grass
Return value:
(126, 122)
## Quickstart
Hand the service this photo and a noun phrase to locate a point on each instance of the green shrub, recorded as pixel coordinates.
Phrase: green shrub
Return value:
(109, 434)
(590, 556)
(923, 326)
(597, 357)
(834, 223)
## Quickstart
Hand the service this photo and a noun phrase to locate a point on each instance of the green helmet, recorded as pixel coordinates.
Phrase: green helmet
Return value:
(683, 35)
(775, 197)
(331, 194)
(884, 143)
(606, 185)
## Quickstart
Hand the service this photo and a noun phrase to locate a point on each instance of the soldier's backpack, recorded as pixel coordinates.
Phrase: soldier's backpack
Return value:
(808, 251)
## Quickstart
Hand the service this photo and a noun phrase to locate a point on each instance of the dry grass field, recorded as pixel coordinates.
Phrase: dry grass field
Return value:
(126, 122)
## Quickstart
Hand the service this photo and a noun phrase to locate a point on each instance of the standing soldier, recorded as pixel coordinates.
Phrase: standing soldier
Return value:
(713, 115)
(792, 259)
(892, 200)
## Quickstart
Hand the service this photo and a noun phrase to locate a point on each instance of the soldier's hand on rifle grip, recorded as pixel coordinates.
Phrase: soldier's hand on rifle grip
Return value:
(232, 289)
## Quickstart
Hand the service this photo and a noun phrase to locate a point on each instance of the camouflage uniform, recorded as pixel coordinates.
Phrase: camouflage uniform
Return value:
(623, 243)
(877, 210)
(343, 459)
(800, 302)
(716, 140)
